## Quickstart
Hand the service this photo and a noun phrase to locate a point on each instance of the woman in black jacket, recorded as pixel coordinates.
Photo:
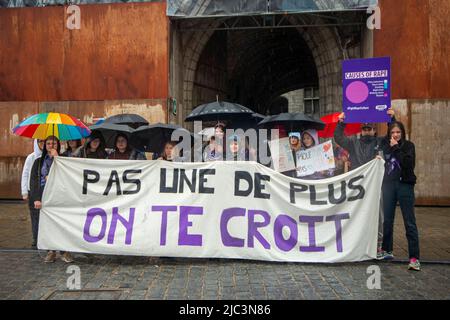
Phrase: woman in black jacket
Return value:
(38, 179)
(398, 186)
(93, 148)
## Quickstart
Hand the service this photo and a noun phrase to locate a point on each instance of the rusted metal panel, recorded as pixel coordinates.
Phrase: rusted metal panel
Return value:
(153, 110)
(120, 52)
(420, 30)
(11, 113)
(14, 149)
(10, 177)
(439, 48)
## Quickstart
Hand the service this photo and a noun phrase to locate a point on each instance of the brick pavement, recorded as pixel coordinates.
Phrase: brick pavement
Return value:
(25, 276)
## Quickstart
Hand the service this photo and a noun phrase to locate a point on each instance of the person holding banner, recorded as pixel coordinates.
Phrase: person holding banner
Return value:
(38, 180)
(123, 150)
(168, 151)
(214, 149)
(362, 150)
(25, 184)
(72, 146)
(341, 158)
(398, 186)
(93, 148)
(296, 145)
(236, 150)
(310, 138)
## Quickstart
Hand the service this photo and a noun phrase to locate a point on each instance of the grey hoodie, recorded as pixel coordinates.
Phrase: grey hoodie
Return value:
(25, 183)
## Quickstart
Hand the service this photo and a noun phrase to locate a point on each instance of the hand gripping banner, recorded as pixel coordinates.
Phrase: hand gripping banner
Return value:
(218, 209)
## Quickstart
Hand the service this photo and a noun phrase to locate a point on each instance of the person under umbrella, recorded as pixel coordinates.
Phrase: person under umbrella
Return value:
(41, 126)
(123, 150)
(38, 181)
(168, 153)
(213, 150)
(153, 138)
(109, 132)
(93, 148)
(235, 152)
(72, 146)
(296, 145)
(34, 213)
(310, 139)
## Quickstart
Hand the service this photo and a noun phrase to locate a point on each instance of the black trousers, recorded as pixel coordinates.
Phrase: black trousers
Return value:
(403, 193)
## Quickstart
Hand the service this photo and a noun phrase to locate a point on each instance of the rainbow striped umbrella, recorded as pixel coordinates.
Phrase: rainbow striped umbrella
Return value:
(60, 125)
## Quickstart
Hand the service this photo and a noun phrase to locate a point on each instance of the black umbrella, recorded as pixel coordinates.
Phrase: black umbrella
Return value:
(247, 122)
(133, 120)
(295, 121)
(152, 138)
(110, 130)
(219, 110)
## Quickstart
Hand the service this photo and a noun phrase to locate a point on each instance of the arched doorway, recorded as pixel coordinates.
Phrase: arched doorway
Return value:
(256, 67)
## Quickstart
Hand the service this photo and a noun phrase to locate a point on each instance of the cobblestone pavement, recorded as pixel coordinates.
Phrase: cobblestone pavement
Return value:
(433, 224)
(25, 276)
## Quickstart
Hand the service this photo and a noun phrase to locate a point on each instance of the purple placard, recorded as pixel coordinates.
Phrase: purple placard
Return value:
(366, 87)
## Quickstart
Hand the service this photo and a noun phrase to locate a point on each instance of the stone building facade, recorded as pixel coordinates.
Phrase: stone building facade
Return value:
(133, 57)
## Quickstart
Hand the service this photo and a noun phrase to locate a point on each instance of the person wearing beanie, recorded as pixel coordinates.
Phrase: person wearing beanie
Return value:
(362, 150)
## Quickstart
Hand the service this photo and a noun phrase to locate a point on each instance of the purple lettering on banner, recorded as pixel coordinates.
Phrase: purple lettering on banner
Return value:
(87, 225)
(164, 210)
(128, 224)
(227, 239)
(185, 239)
(253, 228)
(285, 221)
(337, 223)
(311, 220)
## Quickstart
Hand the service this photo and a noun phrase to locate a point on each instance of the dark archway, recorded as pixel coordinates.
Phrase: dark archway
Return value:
(254, 67)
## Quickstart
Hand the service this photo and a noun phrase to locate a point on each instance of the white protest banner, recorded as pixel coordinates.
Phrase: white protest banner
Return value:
(315, 159)
(282, 156)
(217, 209)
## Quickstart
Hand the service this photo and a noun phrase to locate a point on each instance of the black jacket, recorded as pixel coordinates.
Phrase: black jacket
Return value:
(35, 186)
(83, 151)
(405, 153)
(361, 150)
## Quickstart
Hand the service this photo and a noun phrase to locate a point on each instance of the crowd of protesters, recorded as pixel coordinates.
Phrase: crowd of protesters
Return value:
(349, 153)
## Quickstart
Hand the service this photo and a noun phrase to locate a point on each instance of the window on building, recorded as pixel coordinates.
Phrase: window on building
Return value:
(311, 101)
